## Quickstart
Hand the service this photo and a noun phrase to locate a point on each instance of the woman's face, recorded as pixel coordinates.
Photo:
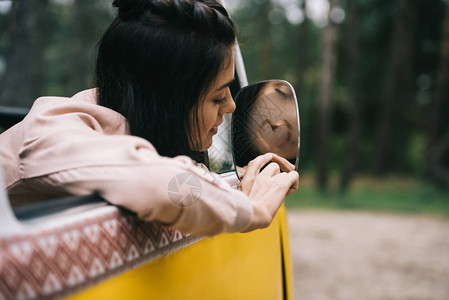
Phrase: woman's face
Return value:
(217, 102)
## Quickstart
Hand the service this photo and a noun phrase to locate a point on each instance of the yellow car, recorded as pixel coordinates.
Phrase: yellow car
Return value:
(83, 248)
(98, 251)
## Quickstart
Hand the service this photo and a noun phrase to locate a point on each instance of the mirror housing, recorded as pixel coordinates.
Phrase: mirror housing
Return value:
(266, 119)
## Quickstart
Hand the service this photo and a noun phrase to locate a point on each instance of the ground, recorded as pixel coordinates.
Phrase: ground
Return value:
(367, 256)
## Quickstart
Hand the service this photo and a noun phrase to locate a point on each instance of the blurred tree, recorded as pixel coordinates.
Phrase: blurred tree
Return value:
(386, 50)
(89, 20)
(398, 90)
(354, 69)
(437, 152)
(326, 82)
(303, 56)
(5, 20)
(266, 51)
(24, 74)
(76, 28)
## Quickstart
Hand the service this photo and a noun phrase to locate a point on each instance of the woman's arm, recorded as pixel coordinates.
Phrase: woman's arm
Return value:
(82, 148)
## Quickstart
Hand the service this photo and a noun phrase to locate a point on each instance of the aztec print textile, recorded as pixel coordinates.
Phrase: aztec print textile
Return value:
(49, 262)
(60, 256)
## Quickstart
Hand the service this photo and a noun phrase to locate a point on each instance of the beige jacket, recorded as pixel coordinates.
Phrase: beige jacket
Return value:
(72, 146)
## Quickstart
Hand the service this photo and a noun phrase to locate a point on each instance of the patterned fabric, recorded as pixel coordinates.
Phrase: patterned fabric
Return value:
(49, 262)
(62, 256)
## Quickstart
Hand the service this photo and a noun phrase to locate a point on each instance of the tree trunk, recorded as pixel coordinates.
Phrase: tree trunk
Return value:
(303, 57)
(23, 80)
(353, 58)
(438, 141)
(328, 64)
(266, 51)
(399, 81)
(84, 40)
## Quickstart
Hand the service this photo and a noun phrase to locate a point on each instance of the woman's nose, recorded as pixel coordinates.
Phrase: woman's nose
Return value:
(229, 106)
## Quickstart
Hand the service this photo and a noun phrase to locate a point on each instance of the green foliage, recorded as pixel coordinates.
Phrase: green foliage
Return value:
(273, 47)
(70, 48)
(393, 194)
(295, 56)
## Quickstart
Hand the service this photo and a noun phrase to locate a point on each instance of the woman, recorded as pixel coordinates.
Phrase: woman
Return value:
(163, 73)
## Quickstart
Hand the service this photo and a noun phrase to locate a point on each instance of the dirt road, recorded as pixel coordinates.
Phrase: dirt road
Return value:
(365, 256)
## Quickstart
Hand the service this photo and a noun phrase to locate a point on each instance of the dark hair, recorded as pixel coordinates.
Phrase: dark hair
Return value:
(242, 134)
(157, 60)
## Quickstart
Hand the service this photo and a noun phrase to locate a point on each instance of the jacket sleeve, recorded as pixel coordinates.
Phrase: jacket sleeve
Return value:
(83, 148)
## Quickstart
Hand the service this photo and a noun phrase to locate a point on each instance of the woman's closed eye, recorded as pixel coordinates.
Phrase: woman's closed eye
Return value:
(220, 101)
(283, 94)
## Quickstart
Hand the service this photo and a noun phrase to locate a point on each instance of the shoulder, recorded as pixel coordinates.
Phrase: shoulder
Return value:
(65, 133)
(81, 110)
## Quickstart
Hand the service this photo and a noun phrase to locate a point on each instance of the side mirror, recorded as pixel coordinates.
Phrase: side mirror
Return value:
(266, 119)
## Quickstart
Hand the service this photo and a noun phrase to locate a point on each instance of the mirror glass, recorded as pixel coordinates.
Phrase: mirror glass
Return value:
(266, 119)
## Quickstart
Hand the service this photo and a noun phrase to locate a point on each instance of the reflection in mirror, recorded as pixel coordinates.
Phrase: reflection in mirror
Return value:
(266, 119)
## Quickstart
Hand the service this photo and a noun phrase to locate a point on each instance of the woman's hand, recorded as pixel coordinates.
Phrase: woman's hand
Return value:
(286, 166)
(267, 188)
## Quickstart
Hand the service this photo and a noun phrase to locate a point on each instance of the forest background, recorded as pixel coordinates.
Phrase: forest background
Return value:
(372, 78)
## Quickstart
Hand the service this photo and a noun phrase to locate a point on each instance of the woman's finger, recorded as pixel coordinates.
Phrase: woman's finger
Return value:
(256, 164)
(288, 181)
(270, 170)
(285, 165)
(294, 187)
(251, 172)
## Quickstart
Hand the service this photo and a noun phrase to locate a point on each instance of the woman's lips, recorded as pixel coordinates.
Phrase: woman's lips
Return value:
(214, 130)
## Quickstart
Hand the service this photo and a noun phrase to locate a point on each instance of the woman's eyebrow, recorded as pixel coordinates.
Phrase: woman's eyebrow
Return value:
(228, 84)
